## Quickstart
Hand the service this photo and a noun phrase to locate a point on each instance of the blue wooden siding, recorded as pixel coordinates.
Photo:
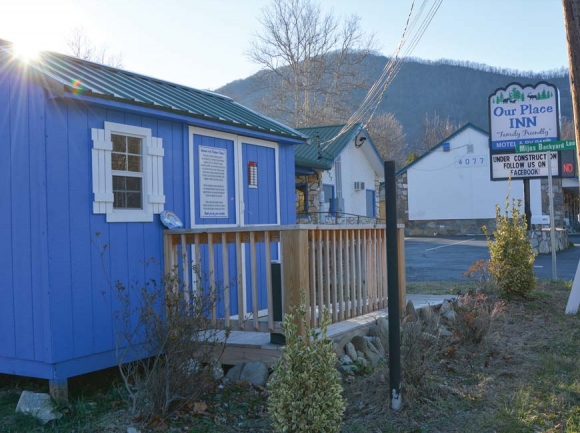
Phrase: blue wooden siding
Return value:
(57, 257)
(23, 322)
(260, 203)
(287, 185)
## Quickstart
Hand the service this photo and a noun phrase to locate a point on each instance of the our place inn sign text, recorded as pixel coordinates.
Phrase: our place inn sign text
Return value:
(522, 114)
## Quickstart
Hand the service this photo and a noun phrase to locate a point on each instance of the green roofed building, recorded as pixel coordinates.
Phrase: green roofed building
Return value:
(338, 172)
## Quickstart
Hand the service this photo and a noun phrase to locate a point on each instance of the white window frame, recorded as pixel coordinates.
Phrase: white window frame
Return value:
(152, 174)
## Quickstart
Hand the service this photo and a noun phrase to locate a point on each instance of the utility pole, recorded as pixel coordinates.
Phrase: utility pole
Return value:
(572, 23)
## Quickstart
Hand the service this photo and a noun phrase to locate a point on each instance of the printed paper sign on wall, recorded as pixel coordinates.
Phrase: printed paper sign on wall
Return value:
(213, 180)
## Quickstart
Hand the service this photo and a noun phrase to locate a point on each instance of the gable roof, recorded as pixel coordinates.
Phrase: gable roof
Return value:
(82, 77)
(434, 148)
(308, 155)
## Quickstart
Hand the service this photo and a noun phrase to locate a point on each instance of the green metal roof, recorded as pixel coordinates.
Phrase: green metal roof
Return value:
(93, 79)
(308, 155)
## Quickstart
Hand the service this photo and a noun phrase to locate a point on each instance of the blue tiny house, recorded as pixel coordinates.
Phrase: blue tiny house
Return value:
(91, 156)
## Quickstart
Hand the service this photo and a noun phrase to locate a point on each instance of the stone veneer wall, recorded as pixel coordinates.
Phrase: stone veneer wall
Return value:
(314, 187)
(558, 200)
(540, 239)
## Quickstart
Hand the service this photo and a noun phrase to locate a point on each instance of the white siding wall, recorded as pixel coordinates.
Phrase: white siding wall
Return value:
(355, 168)
(441, 188)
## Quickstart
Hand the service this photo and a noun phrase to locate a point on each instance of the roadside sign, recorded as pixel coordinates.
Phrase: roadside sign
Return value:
(518, 166)
(546, 146)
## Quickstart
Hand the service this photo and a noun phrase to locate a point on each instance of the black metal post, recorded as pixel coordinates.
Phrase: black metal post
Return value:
(393, 286)
(527, 204)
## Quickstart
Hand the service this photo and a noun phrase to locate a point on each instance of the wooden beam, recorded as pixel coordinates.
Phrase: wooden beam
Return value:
(401, 267)
(295, 269)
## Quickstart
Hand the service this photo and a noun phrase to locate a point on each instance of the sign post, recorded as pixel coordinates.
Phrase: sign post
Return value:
(552, 223)
(548, 147)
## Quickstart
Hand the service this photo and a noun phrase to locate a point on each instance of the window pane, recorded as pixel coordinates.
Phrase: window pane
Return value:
(134, 163)
(119, 183)
(134, 200)
(133, 184)
(119, 161)
(119, 200)
(119, 143)
(134, 145)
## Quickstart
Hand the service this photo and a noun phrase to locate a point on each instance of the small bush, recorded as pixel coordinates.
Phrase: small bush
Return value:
(419, 345)
(478, 272)
(512, 258)
(179, 338)
(475, 315)
(167, 346)
(305, 390)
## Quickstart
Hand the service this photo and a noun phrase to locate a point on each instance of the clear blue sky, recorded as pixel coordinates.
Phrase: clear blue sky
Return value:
(201, 43)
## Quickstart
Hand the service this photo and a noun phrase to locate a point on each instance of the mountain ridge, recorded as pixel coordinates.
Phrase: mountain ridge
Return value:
(451, 89)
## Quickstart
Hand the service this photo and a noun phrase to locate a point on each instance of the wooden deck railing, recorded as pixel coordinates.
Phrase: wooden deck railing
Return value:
(341, 268)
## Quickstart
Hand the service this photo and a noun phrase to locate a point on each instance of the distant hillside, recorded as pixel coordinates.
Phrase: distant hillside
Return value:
(450, 89)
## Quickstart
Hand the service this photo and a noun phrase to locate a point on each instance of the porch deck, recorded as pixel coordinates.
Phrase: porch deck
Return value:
(247, 346)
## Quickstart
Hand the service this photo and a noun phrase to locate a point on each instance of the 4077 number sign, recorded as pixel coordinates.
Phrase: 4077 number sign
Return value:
(468, 161)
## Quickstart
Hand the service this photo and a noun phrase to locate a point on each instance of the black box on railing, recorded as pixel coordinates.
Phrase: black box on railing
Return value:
(277, 313)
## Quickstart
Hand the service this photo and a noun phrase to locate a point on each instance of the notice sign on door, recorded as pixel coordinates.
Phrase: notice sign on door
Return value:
(522, 165)
(213, 182)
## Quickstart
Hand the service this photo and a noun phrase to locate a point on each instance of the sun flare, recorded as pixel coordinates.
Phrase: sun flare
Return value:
(26, 51)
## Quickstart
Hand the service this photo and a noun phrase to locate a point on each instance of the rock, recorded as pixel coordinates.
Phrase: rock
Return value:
(445, 306)
(376, 342)
(359, 343)
(348, 370)
(362, 361)
(410, 312)
(255, 373)
(450, 315)
(217, 372)
(345, 359)
(350, 351)
(39, 405)
(444, 332)
(233, 373)
(425, 313)
(380, 329)
(133, 430)
(369, 351)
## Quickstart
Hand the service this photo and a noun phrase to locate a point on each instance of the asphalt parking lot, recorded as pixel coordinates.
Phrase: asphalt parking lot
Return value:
(447, 258)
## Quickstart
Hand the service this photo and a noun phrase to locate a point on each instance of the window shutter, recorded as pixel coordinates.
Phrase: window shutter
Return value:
(155, 155)
(102, 177)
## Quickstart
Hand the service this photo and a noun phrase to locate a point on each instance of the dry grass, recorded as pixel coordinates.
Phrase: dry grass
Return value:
(523, 377)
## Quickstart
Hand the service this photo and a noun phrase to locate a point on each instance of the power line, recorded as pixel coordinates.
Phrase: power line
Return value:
(392, 67)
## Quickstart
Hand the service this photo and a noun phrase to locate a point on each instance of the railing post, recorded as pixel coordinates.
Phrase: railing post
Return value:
(295, 270)
(401, 266)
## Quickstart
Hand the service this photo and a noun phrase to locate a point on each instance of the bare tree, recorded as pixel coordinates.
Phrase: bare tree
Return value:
(311, 59)
(567, 131)
(388, 136)
(80, 45)
(435, 130)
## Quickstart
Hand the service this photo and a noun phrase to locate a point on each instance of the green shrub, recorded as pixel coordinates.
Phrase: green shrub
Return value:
(305, 390)
(512, 258)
